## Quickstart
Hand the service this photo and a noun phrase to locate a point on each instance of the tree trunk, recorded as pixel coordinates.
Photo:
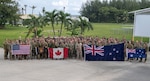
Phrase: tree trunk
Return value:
(61, 29)
(53, 29)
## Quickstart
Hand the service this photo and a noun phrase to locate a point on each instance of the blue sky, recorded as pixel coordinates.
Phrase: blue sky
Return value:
(71, 6)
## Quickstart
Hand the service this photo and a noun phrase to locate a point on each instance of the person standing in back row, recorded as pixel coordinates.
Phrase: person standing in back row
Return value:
(129, 46)
(6, 49)
(79, 50)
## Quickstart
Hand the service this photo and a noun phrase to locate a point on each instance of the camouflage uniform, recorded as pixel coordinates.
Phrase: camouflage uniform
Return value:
(74, 50)
(7, 49)
(45, 50)
(36, 44)
(71, 49)
(79, 50)
(129, 46)
(146, 49)
(33, 49)
(51, 44)
(41, 50)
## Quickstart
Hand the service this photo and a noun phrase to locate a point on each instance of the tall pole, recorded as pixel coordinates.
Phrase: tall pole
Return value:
(25, 9)
(134, 26)
(64, 9)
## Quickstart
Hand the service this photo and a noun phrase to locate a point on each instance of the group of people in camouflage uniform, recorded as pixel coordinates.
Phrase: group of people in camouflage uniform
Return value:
(40, 45)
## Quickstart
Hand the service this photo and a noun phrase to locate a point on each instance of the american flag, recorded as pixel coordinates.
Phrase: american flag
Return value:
(20, 49)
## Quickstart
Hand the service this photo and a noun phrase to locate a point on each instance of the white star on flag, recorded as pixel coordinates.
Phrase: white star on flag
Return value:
(114, 49)
(110, 53)
(117, 51)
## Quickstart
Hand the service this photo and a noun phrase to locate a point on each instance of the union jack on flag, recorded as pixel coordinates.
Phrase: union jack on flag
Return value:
(131, 51)
(94, 50)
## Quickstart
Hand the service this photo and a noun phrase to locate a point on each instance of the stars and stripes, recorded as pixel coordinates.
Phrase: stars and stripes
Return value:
(20, 49)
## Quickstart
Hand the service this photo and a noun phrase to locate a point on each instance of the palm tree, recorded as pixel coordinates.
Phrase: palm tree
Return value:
(43, 10)
(84, 24)
(51, 17)
(33, 7)
(78, 26)
(34, 25)
(64, 19)
(73, 27)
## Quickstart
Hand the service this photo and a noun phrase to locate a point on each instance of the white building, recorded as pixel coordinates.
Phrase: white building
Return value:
(141, 22)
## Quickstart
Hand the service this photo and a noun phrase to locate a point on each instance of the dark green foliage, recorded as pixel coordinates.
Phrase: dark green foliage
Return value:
(64, 19)
(113, 10)
(8, 10)
(78, 27)
(35, 25)
(51, 17)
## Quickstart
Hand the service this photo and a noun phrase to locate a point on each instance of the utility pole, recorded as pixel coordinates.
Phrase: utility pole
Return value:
(22, 9)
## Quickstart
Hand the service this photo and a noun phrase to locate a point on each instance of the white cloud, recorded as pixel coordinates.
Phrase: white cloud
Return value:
(71, 6)
(75, 5)
(60, 3)
(76, 9)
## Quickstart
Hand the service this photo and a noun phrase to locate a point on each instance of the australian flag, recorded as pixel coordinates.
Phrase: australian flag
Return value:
(104, 53)
(136, 53)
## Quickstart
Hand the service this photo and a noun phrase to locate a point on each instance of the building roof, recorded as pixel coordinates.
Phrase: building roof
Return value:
(141, 11)
(27, 16)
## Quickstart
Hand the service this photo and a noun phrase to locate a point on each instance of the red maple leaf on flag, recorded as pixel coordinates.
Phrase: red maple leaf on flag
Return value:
(58, 52)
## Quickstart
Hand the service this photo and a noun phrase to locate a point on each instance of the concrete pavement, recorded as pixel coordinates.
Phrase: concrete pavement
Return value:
(72, 70)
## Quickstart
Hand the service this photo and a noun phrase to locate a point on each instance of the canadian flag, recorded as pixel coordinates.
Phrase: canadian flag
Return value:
(58, 53)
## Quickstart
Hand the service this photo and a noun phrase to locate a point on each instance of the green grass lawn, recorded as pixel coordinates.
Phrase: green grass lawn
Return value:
(100, 30)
